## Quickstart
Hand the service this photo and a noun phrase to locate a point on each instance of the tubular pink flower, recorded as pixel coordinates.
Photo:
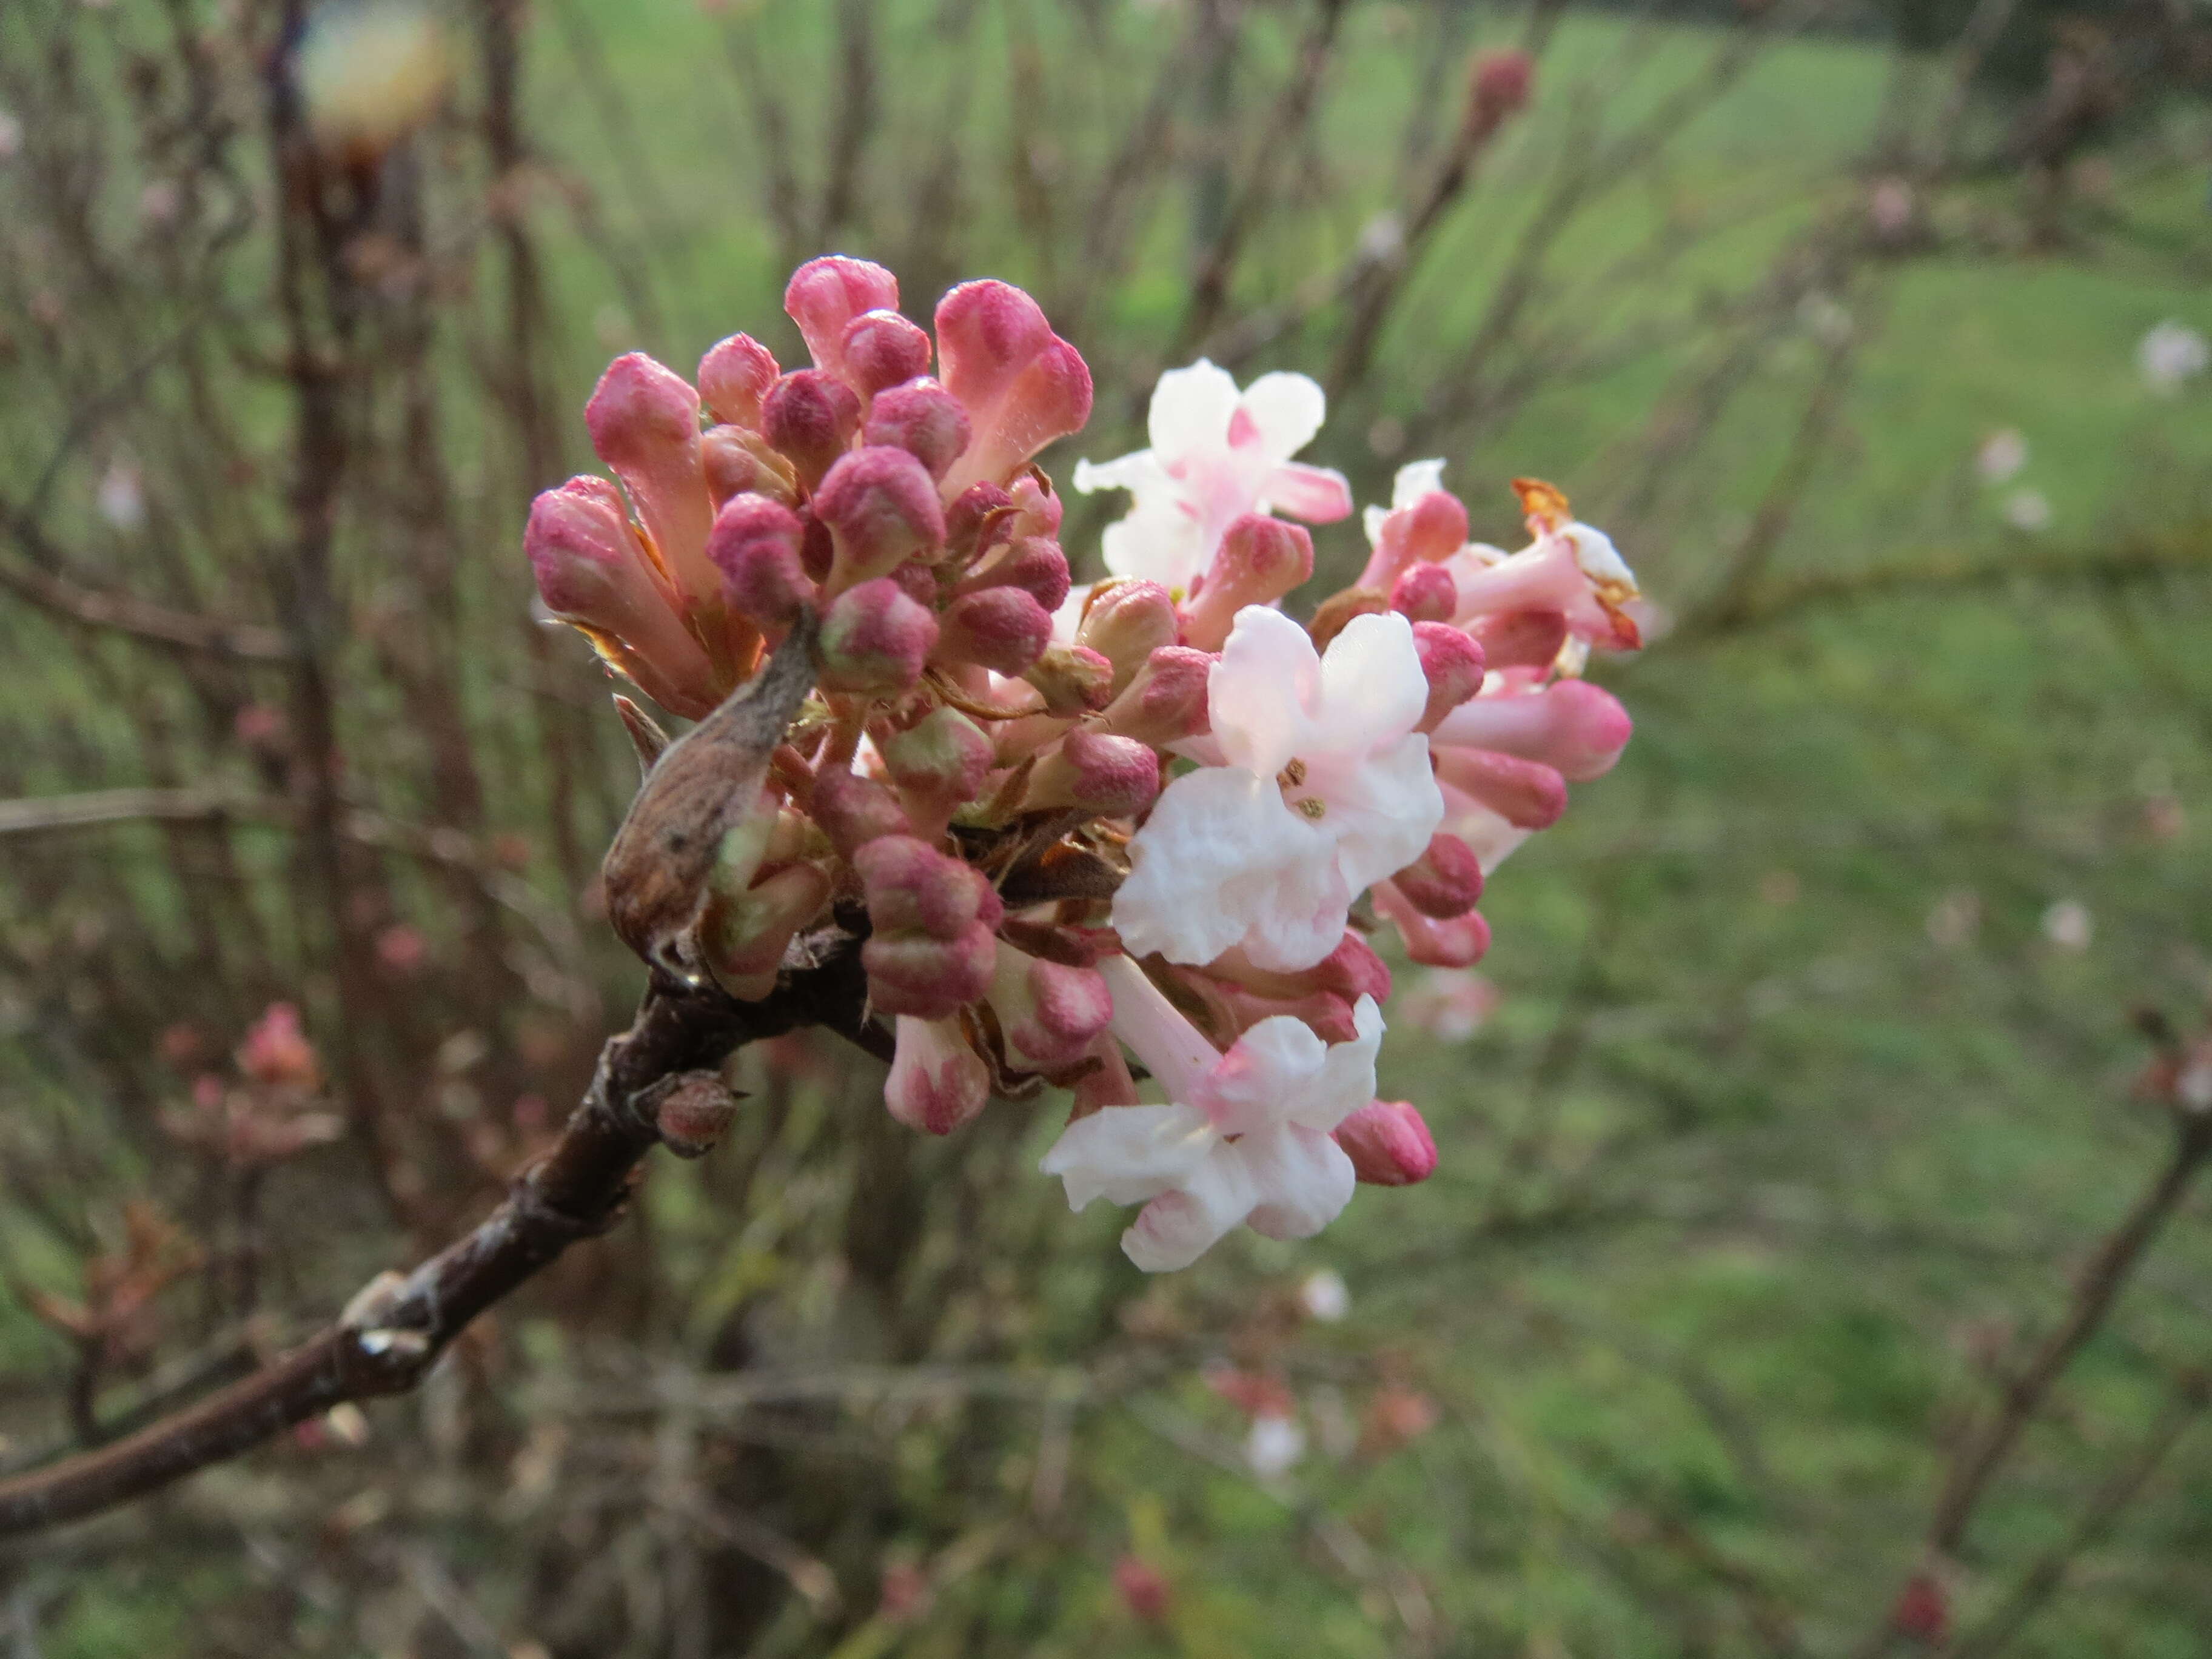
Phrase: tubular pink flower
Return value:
(594, 573)
(1050, 1014)
(644, 422)
(1454, 665)
(1165, 702)
(1459, 943)
(1571, 725)
(1125, 621)
(1526, 794)
(755, 544)
(937, 1083)
(922, 418)
(1426, 593)
(824, 295)
(1215, 456)
(1021, 384)
(1388, 1144)
(1245, 1138)
(1108, 776)
(875, 639)
(1521, 639)
(1569, 568)
(1258, 561)
(1326, 788)
(1424, 524)
(882, 510)
(810, 417)
(734, 375)
(1445, 882)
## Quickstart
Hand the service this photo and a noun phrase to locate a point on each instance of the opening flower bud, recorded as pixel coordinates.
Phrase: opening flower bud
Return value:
(923, 419)
(874, 640)
(944, 758)
(911, 887)
(1165, 702)
(1430, 529)
(882, 509)
(755, 544)
(738, 461)
(1459, 943)
(1388, 1144)
(1125, 622)
(854, 811)
(1072, 680)
(882, 349)
(644, 422)
(1426, 592)
(1521, 639)
(1571, 725)
(1048, 1013)
(734, 375)
(1037, 509)
(1002, 629)
(1444, 882)
(824, 295)
(928, 978)
(1454, 666)
(1021, 384)
(1094, 772)
(938, 1083)
(1525, 793)
(810, 417)
(1258, 561)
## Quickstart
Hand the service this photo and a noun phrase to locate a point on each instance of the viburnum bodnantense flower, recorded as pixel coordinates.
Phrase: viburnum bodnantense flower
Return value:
(1127, 840)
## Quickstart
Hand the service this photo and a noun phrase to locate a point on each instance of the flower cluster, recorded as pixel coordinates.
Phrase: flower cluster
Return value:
(1151, 820)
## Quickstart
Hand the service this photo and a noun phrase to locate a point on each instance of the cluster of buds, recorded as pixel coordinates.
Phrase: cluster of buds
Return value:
(274, 1109)
(974, 761)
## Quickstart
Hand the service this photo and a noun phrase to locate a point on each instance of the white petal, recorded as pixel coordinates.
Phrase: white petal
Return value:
(1371, 520)
(1191, 411)
(1346, 1078)
(1265, 1076)
(1139, 470)
(1127, 1154)
(1597, 558)
(1302, 919)
(1303, 1180)
(1372, 689)
(1386, 823)
(1287, 410)
(1209, 861)
(1319, 495)
(1259, 694)
(1178, 1227)
(1415, 479)
(1160, 541)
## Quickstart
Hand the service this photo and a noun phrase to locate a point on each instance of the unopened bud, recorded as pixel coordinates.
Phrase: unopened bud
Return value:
(1353, 971)
(944, 758)
(882, 510)
(734, 375)
(1037, 507)
(755, 544)
(693, 1113)
(937, 1083)
(1021, 384)
(1576, 727)
(1521, 639)
(979, 508)
(854, 811)
(811, 416)
(882, 350)
(1073, 680)
(928, 978)
(1125, 621)
(1461, 942)
(1388, 1144)
(911, 887)
(738, 461)
(644, 422)
(1445, 881)
(1497, 89)
(1094, 772)
(1340, 609)
(1258, 561)
(1048, 1013)
(824, 295)
(1454, 666)
(1033, 563)
(923, 419)
(1431, 530)
(1426, 592)
(1002, 629)
(743, 936)
(1524, 792)
(1166, 700)
(875, 639)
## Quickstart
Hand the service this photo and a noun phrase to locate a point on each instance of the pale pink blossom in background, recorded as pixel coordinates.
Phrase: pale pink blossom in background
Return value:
(1273, 1446)
(2170, 355)
(2068, 925)
(2001, 456)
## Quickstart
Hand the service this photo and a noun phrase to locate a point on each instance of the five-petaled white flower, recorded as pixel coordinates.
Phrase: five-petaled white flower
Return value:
(1215, 456)
(1324, 789)
(1245, 1137)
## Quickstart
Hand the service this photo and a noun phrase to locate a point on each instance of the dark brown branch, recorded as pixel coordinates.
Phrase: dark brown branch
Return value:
(36, 583)
(395, 1329)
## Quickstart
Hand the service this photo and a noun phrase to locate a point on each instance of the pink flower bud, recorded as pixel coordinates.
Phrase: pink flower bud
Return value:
(882, 350)
(1094, 772)
(854, 811)
(1444, 882)
(734, 375)
(1426, 593)
(1126, 621)
(1143, 1588)
(592, 571)
(1497, 89)
(1037, 509)
(1388, 1144)
(1021, 384)
(1002, 629)
(923, 419)
(738, 461)
(1525, 793)
(944, 758)
(1258, 561)
(1459, 943)
(882, 510)
(928, 978)
(644, 422)
(755, 544)
(1033, 563)
(1073, 680)
(1454, 664)
(938, 1083)
(911, 887)
(979, 509)
(1165, 702)
(276, 1051)
(1049, 1013)
(1353, 971)
(824, 295)
(1430, 530)
(875, 639)
(811, 418)
(1572, 725)
(1521, 639)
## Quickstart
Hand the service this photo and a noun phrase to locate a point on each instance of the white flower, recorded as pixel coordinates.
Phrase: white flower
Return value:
(1245, 1137)
(1325, 1296)
(2170, 354)
(1273, 1445)
(1325, 789)
(1215, 456)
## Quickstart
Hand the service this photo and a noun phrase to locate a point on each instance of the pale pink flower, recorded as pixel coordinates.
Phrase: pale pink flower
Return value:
(1324, 789)
(1244, 1137)
(1216, 454)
